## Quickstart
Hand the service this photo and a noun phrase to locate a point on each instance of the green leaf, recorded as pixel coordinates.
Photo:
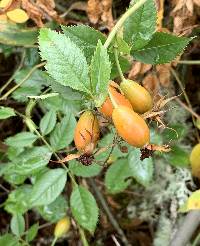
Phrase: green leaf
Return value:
(65, 91)
(32, 232)
(9, 240)
(32, 57)
(122, 47)
(84, 208)
(170, 135)
(36, 80)
(55, 210)
(6, 112)
(22, 94)
(100, 70)
(13, 152)
(48, 122)
(178, 157)
(162, 48)
(142, 171)
(17, 201)
(116, 176)
(60, 104)
(79, 169)
(124, 64)
(48, 187)
(65, 61)
(30, 161)
(34, 177)
(14, 179)
(85, 37)
(141, 25)
(17, 224)
(63, 133)
(155, 136)
(12, 34)
(22, 139)
(107, 141)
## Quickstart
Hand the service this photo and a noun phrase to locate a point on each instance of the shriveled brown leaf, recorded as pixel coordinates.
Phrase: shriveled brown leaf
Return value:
(190, 6)
(160, 12)
(100, 11)
(197, 2)
(39, 10)
(34, 12)
(163, 73)
(161, 148)
(178, 5)
(151, 83)
(107, 16)
(135, 70)
(138, 68)
(184, 17)
(94, 10)
(145, 68)
(68, 158)
(12, 5)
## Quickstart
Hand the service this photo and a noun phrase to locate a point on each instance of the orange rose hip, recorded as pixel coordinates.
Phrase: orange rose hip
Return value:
(107, 107)
(137, 95)
(86, 132)
(131, 127)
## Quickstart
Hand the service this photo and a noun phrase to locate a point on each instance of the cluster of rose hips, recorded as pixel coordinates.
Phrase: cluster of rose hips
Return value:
(125, 105)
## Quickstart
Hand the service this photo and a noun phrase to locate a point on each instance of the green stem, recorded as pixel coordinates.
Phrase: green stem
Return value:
(196, 241)
(82, 233)
(29, 108)
(121, 21)
(112, 100)
(22, 81)
(83, 238)
(54, 241)
(118, 64)
(189, 62)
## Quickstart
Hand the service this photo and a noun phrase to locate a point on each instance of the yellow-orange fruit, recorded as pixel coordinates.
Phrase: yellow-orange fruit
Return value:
(107, 107)
(195, 160)
(87, 132)
(62, 227)
(17, 15)
(3, 17)
(131, 127)
(5, 3)
(137, 95)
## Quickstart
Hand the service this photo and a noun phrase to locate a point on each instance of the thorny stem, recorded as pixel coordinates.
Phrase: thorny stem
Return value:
(189, 62)
(12, 77)
(22, 81)
(121, 21)
(118, 64)
(108, 212)
(186, 98)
